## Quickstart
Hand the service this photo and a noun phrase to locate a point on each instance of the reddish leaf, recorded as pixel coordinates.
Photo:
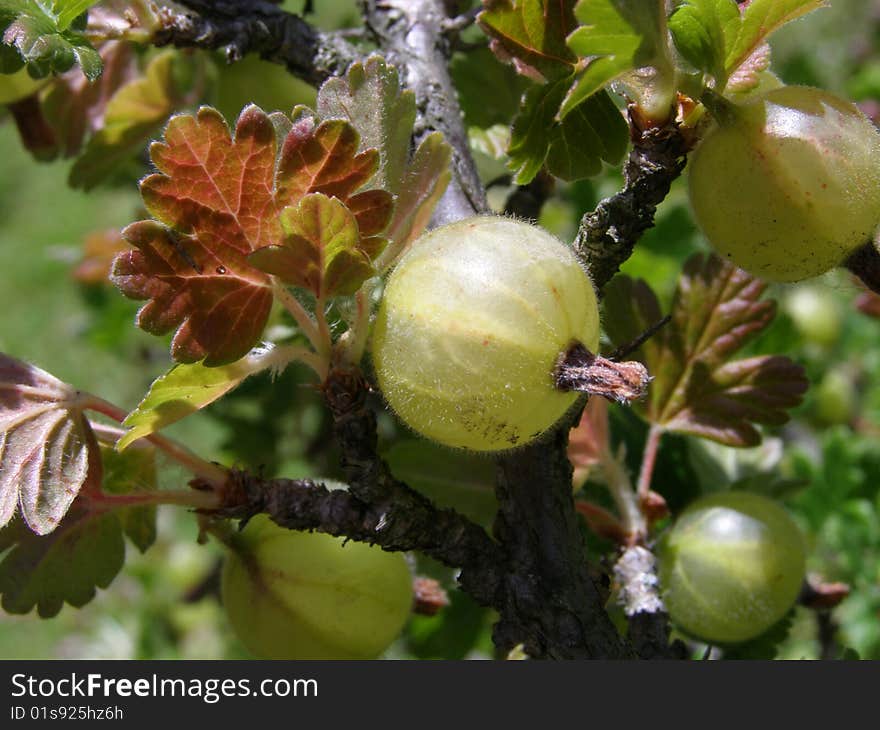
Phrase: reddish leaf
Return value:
(217, 192)
(218, 199)
(48, 452)
(323, 159)
(322, 249)
(531, 34)
(218, 303)
(696, 390)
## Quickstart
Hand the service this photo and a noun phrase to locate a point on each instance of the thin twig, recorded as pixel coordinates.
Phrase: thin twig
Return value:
(649, 458)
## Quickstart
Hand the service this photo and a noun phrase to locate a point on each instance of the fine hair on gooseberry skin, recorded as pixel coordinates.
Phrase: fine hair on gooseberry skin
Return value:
(471, 326)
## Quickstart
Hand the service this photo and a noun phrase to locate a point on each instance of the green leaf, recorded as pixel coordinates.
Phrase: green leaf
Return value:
(532, 34)
(426, 179)
(323, 250)
(703, 30)
(697, 388)
(48, 453)
(66, 11)
(132, 471)
(718, 38)
(47, 39)
(85, 552)
(488, 90)
(186, 389)
(615, 36)
(133, 114)
(762, 18)
(456, 479)
(370, 97)
(573, 148)
(593, 131)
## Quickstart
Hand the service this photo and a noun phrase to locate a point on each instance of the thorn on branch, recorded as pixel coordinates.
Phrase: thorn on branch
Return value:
(630, 347)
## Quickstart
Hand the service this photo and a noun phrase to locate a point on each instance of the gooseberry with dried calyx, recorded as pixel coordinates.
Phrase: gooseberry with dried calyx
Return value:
(480, 333)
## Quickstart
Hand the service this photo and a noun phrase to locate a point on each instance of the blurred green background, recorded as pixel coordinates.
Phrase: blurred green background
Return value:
(825, 464)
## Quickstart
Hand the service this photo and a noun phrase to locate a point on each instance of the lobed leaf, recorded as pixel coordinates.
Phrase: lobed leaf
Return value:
(696, 389)
(531, 34)
(48, 38)
(48, 453)
(719, 37)
(219, 200)
(573, 148)
(86, 552)
(614, 37)
(323, 249)
(215, 195)
(371, 99)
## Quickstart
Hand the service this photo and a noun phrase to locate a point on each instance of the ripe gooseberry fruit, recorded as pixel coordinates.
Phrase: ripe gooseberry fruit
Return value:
(472, 323)
(787, 186)
(301, 595)
(731, 566)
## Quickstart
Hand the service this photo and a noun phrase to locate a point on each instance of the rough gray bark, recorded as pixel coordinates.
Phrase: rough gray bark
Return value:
(240, 27)
(607, 236)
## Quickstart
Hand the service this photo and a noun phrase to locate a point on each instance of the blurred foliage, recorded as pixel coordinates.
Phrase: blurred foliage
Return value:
(824, 464)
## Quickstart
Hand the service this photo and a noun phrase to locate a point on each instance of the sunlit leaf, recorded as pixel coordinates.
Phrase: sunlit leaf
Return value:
(531, 34)
(703, 31)
(185, 389)
(697, 388)
(615, 37)
(48, 453)
(217, 199)
(370, 97)
(322, 250)
(719, 37)
(762, 18)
